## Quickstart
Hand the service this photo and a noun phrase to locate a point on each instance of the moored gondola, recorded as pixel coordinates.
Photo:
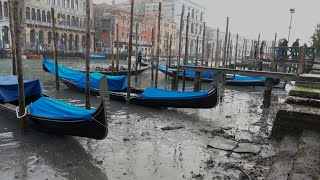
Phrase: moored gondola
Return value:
(150, 97)
(50, 115)
(232, 80)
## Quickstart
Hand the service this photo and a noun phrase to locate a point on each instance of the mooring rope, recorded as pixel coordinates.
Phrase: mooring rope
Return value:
(17, 113)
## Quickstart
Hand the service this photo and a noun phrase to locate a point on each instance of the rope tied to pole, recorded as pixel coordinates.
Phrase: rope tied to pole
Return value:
(17, 113)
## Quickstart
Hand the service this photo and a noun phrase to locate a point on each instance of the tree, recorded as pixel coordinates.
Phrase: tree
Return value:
(316, 38)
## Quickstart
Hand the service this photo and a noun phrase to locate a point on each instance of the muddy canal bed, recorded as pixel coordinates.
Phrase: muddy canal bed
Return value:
(230, 141)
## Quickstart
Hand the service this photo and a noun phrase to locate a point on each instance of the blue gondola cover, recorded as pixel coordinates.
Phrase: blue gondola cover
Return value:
(9, 88)
(162, 94)
(51, 108)
(115, 83)
(247, 79)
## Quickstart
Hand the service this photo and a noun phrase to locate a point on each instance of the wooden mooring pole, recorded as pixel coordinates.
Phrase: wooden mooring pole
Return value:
(179, 50)
(88, 43)
(267, 93)
(53, 21)
(117, 50)
(197, 50)
(225, 43)
(170, 50)
(152, 57)
(197, 82)
(203, 43)
(137, 54)
(129, 55)
(17, 33)
(112, 49)
(174, 80)
(217, 50)
(186, 54)
(158, 46)
(236, 53)
(167, 59)
(212, 54)
(13, 47)
(228, 50)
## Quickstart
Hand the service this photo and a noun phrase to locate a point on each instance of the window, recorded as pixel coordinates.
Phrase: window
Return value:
(68, 20)
(33, 14)
(63, 3)
(68, 3)
(84, 6)
(73, 20)
(49, 17)
(72, 4)
(54, 2)
(43, 16)
(49, 2)
(49, 37)
(38, 15)
(1, 9)
(5, 6)
(28, 13)
(77, 4)
(77, 22)
(58, 2)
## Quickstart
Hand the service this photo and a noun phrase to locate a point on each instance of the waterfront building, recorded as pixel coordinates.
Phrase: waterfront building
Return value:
(37, 24)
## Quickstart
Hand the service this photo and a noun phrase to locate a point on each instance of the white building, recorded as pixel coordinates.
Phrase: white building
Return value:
(37, 23)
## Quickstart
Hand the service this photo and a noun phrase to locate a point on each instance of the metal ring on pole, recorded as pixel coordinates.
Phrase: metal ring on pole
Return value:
(17, 113)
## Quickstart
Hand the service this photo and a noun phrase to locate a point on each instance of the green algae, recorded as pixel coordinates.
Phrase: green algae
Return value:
(306, 89)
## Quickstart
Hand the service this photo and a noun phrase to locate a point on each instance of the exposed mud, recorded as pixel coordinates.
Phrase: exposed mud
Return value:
(137, 147)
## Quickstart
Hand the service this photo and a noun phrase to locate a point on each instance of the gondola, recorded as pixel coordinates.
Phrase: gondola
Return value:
(150, 97)
(232, 80)
(122, 71)
(50, 115)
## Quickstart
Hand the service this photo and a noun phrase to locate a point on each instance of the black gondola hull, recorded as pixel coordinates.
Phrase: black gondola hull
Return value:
(97, 128)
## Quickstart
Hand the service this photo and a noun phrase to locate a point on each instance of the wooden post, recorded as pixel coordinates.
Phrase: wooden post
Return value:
(267, 93)
(167, 59)
(158, 46)
(212, 52)
(197, 82)
(170, 50)
(117, 56)
(300, 68)
(208, 54)
(186, 54)
(129, 54)
(274, 53)
(17, 33)
(228, 48)
(137, 54)
(152, 57)
(112, 44)
(203, 43)
(197, 50)
(53, 21)
(174, 80)
(179, 50)
(13, 48)
(217, 50)
(88, 42)
(245, 48)
(236, 53)
(225, 43)
(257, 53)
(230, 58)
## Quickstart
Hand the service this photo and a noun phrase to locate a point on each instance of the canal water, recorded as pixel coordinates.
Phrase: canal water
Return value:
(136, 147)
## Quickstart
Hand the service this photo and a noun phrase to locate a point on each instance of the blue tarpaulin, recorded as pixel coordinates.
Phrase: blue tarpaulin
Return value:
(9, 88)
(191, 74)
(115, 83)
(50, 108)
(162, 94)
(246, 78)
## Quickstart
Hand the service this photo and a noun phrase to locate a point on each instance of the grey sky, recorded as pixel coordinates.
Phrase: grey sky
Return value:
(249, 17)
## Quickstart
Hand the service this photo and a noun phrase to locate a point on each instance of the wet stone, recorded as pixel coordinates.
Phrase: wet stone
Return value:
(222, 143)
(247, 148)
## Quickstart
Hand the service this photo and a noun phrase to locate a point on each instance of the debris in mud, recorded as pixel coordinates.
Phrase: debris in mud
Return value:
(247, 148)
(145, 134)
(126, 139)
(170, 128)
(228, 117)
(99, 162)
(197, 176)
(222, 143)
(209, 164)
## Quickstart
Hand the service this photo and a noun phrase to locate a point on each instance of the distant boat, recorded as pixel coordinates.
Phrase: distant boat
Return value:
(51, 115)
(150, 97)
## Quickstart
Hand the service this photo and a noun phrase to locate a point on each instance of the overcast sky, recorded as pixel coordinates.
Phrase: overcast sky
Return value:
(249, 17)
